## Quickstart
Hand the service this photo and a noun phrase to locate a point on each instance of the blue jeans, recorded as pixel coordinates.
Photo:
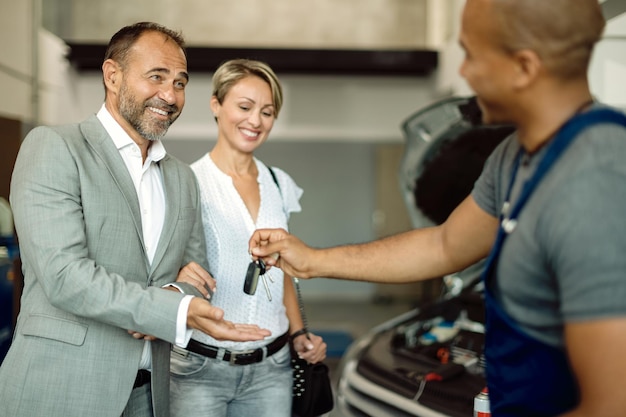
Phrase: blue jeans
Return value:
(140, 403)
(205, 387)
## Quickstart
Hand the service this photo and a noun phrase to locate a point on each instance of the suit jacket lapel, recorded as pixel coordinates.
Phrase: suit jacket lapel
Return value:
(98, 138)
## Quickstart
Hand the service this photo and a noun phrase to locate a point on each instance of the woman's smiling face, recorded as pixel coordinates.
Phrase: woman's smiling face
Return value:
(246, 115)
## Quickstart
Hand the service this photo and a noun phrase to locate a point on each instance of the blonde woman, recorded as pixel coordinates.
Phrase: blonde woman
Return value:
(240, 194)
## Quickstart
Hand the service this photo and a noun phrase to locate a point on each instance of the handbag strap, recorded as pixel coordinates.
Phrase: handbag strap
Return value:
(296, 281)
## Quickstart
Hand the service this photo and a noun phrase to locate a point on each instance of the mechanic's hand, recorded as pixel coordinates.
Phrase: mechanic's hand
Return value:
(194, 274)
(312, 350)
(210, 320)
(279, 248)
(138, 335)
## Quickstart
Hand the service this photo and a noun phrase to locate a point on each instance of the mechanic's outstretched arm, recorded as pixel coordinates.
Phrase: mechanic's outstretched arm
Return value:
(465, 238)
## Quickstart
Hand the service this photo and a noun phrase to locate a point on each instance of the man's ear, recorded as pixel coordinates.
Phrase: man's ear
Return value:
(112, 75)
(528, 68)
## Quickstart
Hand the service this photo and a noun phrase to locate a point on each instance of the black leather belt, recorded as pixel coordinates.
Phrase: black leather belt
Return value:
(143, 377)
(246, 357)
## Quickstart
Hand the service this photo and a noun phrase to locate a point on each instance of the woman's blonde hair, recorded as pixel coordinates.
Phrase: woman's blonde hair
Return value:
(231, 72)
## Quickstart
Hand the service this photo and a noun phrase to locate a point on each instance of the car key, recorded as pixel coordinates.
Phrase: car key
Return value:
(255, 269)
(267, 287)
(264, 275)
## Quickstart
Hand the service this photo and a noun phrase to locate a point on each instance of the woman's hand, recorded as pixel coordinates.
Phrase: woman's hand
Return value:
(194, 274)
(311, 349)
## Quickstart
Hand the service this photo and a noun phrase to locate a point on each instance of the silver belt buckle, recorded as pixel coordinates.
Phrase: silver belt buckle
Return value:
(234, 355)
(183, 353)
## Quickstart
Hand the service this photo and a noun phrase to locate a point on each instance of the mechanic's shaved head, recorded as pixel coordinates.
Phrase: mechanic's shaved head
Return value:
(561, 32)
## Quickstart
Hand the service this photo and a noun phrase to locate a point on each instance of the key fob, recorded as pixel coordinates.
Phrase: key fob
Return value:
(252, 276)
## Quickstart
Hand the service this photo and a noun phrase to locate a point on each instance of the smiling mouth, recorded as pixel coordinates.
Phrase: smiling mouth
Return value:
(161, 112)
(250, 133)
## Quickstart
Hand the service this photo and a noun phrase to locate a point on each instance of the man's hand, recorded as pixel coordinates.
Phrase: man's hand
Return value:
(311, 349)
(138, 335)
(203, 316)
(194, 274)
(279, 248)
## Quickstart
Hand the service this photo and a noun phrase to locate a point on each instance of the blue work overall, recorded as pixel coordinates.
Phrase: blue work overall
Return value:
(525, 376)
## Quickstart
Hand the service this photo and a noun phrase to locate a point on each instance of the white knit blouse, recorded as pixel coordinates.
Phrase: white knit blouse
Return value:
(228, 226)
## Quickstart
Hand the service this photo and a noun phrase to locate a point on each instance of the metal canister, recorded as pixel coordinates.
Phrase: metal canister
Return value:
(481, 404)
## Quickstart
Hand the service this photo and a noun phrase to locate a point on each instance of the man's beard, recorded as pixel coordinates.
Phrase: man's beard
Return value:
(134, 113)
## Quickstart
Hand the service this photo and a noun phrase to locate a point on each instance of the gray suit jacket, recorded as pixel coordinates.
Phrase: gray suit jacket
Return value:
(87, 279)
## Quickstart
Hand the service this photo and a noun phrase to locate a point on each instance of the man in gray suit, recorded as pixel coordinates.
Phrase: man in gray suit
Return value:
(105, 220)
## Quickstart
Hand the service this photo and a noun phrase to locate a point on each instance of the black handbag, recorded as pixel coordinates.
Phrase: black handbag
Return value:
(312, 390)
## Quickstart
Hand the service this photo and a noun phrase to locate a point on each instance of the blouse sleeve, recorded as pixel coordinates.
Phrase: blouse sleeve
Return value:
(289, 190)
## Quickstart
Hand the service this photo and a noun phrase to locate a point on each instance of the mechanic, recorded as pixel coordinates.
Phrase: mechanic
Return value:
(547, 211)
